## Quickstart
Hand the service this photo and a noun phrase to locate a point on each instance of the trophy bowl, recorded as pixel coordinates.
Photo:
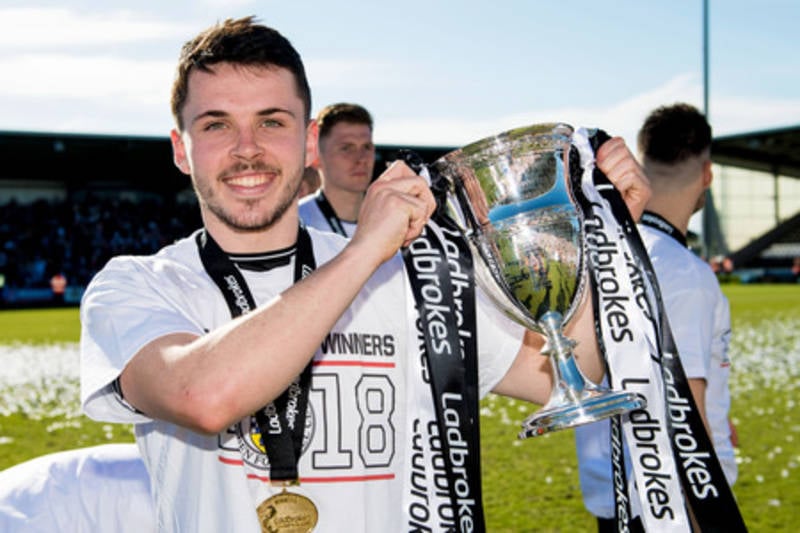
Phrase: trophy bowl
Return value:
(511, 195)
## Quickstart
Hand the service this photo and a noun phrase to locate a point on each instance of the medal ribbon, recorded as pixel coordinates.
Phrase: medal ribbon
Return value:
(660, 223)
(282, 422)
(671, 414)
(439, 266)
(330, 215)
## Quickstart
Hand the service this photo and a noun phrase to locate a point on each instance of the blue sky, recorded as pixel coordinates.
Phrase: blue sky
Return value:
(432, 73)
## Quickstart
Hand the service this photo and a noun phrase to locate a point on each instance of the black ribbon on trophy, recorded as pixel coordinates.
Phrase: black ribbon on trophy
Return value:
(673, 461)
(668, 435)
(439, 266)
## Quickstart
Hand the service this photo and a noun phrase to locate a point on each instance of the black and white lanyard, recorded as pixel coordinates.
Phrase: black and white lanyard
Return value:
(330, 215)
(281, 427)
(656, 221)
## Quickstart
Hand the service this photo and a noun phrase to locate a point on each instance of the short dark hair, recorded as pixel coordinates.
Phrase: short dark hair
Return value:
(241, 42)
(672, 134)
(332, 114)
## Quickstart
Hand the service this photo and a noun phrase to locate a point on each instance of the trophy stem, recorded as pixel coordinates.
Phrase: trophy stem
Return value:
(574, 400)
(567, 377)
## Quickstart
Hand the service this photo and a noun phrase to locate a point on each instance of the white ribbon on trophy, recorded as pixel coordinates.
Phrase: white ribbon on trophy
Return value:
(622, 288)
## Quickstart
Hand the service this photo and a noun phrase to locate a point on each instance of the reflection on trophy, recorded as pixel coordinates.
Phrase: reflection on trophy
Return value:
(512, 196)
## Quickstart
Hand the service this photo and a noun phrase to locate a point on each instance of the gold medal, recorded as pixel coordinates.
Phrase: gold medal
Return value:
(287, 512)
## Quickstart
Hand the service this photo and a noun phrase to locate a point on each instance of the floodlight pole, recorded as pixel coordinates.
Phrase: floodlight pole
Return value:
(706, 216)
(705, 59)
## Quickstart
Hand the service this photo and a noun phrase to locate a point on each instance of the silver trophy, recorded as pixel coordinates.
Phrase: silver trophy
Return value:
(512, 196)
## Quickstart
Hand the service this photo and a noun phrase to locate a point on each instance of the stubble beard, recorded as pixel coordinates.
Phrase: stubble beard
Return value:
(253, 219)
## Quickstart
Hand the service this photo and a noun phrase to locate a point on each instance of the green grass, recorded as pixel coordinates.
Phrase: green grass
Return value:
(529, 485)
(39, 326)
(533, 485)
(39, 436)
(752, 304)
(49, 421)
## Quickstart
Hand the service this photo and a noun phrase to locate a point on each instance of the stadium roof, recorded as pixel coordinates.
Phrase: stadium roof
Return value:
(81, 160)
(775, 151)
(92, 160)
(84, 160)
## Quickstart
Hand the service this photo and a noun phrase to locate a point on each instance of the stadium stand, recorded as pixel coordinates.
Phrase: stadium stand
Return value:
(69, 202)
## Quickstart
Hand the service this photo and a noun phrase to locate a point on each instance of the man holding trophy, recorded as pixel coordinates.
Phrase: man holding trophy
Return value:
(285, 379)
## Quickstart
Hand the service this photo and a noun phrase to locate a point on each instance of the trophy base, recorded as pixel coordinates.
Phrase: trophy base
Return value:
(592, 405)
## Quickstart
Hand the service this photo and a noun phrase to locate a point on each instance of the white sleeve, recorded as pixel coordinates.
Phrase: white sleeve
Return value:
(126, 306)
(691, 318)
(499, 341)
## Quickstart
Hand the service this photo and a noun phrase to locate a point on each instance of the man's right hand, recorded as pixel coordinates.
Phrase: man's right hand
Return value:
(396, 208)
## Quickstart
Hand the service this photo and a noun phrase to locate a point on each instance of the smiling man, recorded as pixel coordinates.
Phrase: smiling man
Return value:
(271, 371)
(346, 162)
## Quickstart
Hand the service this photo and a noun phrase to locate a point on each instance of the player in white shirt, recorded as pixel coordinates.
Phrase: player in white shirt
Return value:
(346, 161)
(674, 146)
(352, 473)
(324, 319)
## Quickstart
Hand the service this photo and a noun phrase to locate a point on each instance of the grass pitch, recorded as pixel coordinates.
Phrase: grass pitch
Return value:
(529, 485)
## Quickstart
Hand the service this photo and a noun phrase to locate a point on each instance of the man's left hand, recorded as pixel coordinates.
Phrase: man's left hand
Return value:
(620, 166)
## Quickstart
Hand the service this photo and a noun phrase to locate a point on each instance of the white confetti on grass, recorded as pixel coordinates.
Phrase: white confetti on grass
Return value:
(765, 356)
(40, 381)
(44, 380)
